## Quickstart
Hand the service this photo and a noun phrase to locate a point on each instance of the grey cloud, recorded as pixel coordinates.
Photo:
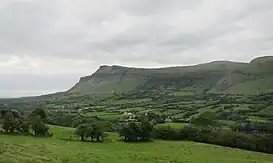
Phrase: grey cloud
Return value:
(25, 84)
(31, 26)
(144, 8)
(68, 35)
(118, 42)
(22, 23)
(19, 81)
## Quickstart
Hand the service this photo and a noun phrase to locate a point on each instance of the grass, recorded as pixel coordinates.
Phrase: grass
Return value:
(266, 111)
(180, 114)
(112, 116)
(182, 93)
(117, 83)
(131, 109)
(125, 101)
(105, 115)
(226, 122)
(156, 111)
(173, 124)
(253, 86)
(206, 109)
(100, 114)
(62, 132)
(172, 111)
(256, 119)
(23, 149)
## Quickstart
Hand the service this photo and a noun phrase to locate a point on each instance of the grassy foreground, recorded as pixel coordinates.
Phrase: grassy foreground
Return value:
(23, 149)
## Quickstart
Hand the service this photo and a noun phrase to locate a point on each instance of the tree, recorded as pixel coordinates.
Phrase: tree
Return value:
(98, 131)
(207, 119)
(3, 110)
(38, 127)
(80, 131)
(136, 131)
(124, 131)
(166, 133)
(10, 123)
(3, 113)
(39, 112)
(24, 127)
(152, 117)
(12, 120)
(146, 130)
(90, 132)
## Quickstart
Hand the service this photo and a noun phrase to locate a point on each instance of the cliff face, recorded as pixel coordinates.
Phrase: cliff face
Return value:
(219, 76)
(109, 79)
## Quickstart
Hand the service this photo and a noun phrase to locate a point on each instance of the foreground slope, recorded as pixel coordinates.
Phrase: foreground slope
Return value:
(30, 149)
(216, 77)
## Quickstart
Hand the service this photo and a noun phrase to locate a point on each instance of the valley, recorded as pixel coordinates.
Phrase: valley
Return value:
(229, 104)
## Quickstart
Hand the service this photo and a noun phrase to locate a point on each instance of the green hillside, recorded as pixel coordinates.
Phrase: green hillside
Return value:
(25, 149)
(216, 77)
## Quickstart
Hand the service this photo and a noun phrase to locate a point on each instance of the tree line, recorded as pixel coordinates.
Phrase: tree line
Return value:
(248, 141)
(15, 122)
(145, 131)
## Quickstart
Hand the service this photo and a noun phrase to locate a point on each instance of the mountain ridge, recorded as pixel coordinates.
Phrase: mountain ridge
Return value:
(215, 76)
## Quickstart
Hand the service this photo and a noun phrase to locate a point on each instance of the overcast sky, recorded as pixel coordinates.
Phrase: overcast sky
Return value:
(47, 45)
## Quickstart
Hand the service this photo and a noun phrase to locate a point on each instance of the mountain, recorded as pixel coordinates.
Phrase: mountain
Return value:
(214, 77)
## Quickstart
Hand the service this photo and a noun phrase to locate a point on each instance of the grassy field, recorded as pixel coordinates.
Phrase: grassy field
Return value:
(172, 124)
(24, 149)
(98, 113)
(105, 115)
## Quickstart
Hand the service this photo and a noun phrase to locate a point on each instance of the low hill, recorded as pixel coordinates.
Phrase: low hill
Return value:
(215, 77)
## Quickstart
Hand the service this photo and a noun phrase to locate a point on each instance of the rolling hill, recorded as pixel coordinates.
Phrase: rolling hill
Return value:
(214, 77)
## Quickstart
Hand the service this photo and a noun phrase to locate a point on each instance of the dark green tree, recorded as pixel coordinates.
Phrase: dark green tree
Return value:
(146, 130)
(24, 127)
(90, 132)
(39, 128)
(38, 112)
(135, 131)
(207, 119)
(10, 122)
(80, 131)
(98, 131)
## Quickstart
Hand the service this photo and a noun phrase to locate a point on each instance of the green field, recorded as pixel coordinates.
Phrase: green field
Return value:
(172, 124)
(23, 149)
(105, 115)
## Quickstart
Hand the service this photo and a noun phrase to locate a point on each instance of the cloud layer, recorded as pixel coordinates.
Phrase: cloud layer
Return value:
(75, 37)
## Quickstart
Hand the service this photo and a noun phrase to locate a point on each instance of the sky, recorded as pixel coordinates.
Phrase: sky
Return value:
(47, 45)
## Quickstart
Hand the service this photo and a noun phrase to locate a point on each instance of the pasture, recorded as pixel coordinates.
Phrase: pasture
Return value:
(25, 149)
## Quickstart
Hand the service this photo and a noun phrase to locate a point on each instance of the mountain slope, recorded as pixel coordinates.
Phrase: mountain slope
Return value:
(256, 78)
(218, 77)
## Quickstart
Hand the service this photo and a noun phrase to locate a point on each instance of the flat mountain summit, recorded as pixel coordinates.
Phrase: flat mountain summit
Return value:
(214, 77)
